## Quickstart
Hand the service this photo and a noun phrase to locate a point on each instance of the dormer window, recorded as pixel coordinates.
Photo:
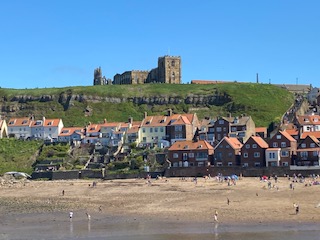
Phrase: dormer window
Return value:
(24, 122)
(11, 122)
(38, 123)
(49, 123)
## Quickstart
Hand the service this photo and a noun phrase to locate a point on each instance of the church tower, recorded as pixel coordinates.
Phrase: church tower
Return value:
(169, 69)
(97, 77)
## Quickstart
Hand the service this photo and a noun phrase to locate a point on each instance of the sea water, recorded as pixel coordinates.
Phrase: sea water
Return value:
(133, 229)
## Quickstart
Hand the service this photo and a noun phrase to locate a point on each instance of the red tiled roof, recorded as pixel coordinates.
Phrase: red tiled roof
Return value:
(233, 142)
(51, 122)
(259, 140)
(292, 132)
(93, 128)
(309, 120)
(190, 145)
(19, 122)
(305, 134)
(133, 129)
(69, 131)
(261, 129)
(288, 136)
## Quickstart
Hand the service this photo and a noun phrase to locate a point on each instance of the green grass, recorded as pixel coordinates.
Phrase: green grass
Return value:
(264, 102)
(17, 155)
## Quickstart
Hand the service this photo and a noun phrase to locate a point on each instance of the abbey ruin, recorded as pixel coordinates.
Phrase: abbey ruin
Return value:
(168, 71)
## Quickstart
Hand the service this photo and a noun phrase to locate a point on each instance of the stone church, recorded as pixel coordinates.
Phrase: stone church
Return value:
(168, 71)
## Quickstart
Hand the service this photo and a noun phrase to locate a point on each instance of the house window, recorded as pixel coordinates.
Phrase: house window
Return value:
(257, 164)
(218, 129)
(175, 155)
(185, 156)
(233, 129)
(175, 164)
(278, 136)
(283, 144)
(191, 155)
(221, 121)
(304, 154)
(156, 129)
(245, 165)
(254, 145)
(227, 146)
(229, 155)
(151, 130)
(247, 146)
(284, 154)
(315, 153)
(245, 155)
(144, 139)
(229, 164)
(256, 154)
(274, 144)
(272, 155)
(224, 129)
(178, 128)
(143, 130)
(161, 129)
(303, 145)
(285, 164)
(312, 145)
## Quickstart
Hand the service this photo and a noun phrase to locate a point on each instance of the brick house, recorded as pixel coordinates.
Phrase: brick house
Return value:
(228, 152)
(240, 127)
(190, 153)
(287, 145)
(308, 152)
(253, 152)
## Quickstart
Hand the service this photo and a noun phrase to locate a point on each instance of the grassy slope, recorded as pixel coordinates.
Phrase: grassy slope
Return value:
(265, 103)
(16, 155)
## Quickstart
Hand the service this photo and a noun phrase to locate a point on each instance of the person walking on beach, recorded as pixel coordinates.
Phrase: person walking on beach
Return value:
(62, 192)
(296, 206)
(228, 201)
(70, 215)
(88, 216)
(215, 217)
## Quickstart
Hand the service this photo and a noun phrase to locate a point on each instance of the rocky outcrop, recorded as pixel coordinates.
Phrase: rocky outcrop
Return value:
(67, 100)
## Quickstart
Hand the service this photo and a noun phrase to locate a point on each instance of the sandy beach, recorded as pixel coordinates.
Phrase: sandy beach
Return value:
(171, 199)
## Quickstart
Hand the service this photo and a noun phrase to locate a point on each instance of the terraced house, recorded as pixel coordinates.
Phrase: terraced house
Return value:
(191, 153)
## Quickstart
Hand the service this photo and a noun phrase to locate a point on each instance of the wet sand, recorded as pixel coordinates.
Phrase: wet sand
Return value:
(135, 204)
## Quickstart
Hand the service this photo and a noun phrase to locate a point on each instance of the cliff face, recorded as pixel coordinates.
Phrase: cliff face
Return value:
(22, 102)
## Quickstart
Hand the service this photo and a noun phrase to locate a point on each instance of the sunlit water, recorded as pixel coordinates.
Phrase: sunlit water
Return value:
(35, 227)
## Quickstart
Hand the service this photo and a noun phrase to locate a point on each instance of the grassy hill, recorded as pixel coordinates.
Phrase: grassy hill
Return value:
(264, 102)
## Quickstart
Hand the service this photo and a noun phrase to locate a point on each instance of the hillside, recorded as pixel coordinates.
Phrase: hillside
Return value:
(79, 105)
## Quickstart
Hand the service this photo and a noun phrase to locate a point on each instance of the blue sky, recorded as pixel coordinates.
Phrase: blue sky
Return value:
(60, 43)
